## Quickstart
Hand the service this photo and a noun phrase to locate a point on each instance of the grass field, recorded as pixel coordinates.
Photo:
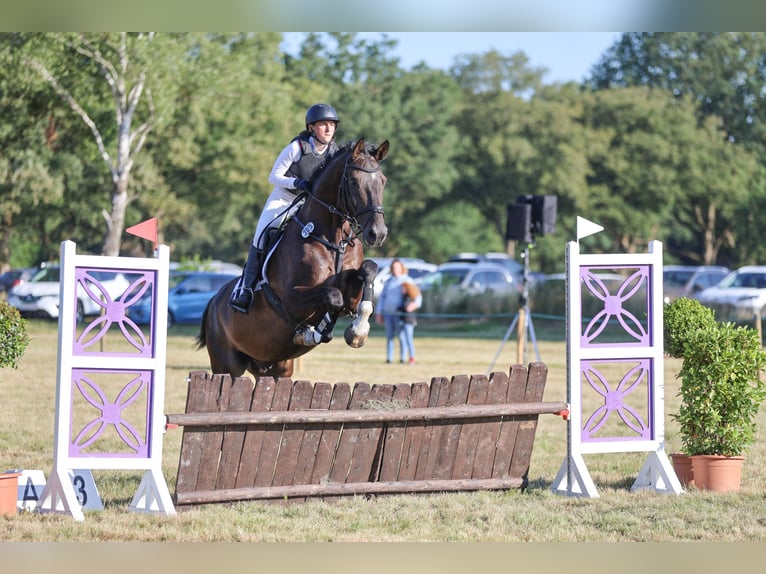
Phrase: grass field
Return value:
(27, 395)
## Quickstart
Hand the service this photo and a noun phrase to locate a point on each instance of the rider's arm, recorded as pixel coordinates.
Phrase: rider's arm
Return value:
(278, 176)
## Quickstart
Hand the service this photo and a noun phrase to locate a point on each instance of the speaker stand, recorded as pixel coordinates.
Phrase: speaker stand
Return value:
(522, 320)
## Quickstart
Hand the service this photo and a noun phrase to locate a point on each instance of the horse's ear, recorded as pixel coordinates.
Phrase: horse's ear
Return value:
(382, 151)
(358, 148)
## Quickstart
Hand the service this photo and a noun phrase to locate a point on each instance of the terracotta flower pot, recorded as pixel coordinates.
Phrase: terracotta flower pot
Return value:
(717, 473)
(682, 465)
(9, 483)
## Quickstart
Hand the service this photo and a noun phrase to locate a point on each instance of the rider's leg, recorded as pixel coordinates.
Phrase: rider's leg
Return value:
(243, 297)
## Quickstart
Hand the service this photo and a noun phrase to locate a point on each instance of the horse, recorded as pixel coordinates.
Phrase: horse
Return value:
(315, 274)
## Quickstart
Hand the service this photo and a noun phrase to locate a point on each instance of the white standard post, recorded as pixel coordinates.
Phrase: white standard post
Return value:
(641, 349)
(78, 358)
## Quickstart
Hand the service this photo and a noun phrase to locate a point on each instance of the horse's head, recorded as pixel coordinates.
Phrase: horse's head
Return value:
(361, 190)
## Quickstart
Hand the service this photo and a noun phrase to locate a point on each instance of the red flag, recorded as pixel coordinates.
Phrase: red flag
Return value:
(146, 230)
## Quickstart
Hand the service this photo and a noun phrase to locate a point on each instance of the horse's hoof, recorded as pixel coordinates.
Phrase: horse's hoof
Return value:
(355, 340)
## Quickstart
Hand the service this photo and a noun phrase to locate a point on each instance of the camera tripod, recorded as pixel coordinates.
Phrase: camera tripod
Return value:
(522, 320)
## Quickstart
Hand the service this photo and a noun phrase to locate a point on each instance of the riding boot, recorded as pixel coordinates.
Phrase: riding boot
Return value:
(242, 298)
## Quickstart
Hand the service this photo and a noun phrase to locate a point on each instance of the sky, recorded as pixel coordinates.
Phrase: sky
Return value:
(568, 56)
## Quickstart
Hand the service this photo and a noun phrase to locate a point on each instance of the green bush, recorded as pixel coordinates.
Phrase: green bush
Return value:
(13, 335)
(683, 317)
(721, 385)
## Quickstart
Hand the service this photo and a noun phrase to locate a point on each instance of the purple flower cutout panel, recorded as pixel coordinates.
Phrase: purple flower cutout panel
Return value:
(104, 300)
(110, 413)
(618, 394)
(616, 309)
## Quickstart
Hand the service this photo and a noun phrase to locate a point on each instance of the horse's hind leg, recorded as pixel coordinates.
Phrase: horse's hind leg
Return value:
(357, 332)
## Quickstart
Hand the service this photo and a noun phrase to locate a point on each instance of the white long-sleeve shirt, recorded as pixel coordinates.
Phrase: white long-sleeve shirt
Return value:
(284, 191)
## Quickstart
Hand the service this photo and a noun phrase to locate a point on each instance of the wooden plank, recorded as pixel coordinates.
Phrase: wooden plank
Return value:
(465, 453)
(365, 461)
(319, 417)
(272, 435)
(197, 400)
(429, 445)
(263, 395)
(393, 443)
(509, 427)
(348, 489)
(292, 436)
(234, 437)
(413, 434)
(490, 429)
(307, 454)
(328, 442)
(211, 444)
(522, 451)
(450, 436)
(348, 437)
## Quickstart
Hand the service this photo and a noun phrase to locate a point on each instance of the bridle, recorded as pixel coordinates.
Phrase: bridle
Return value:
(344, 210)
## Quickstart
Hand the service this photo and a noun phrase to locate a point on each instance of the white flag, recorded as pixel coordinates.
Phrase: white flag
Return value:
(585, 228)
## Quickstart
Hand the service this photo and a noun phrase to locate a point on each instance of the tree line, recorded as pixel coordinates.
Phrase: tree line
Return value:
(99, 131)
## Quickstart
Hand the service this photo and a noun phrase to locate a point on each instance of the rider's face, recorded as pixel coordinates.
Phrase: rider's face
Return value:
(323, 131)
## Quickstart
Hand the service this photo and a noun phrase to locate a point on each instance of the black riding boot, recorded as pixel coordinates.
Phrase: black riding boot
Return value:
(242, 298)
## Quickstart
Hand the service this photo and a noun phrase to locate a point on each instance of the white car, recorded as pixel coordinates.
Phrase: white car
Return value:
(740, 296)
(39, 297)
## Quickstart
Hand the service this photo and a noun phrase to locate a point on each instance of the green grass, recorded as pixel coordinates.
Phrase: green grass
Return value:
(27, 395)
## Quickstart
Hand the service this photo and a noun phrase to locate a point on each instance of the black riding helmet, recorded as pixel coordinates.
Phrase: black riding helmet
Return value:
(319, 112)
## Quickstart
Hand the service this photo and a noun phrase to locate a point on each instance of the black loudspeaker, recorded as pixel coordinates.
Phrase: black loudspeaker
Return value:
(543, 214)
(519, 222)
(543, 217)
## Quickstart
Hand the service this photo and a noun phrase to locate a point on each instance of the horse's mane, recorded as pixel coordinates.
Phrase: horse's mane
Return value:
(328, 159)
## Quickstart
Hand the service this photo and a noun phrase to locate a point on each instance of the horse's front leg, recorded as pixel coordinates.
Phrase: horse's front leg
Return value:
(323, 304)
(357, 332)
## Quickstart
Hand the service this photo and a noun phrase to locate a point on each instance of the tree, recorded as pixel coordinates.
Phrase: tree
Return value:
(515, 140)
(723, 73)
(132, 68)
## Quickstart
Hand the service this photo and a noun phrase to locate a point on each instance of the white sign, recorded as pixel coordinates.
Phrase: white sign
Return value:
(32, 482)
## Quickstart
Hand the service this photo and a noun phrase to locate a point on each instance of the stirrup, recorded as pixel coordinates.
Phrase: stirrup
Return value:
(240, 306)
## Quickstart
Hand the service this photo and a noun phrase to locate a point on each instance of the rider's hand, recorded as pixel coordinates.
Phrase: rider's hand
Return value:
(301, 184)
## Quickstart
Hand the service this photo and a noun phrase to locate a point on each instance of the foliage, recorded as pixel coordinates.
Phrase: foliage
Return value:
(13, 336)
(659, 144)
(721, 384)
(682, 317)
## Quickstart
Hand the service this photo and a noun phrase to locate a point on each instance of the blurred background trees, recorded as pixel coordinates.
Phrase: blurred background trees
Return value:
(664, 141)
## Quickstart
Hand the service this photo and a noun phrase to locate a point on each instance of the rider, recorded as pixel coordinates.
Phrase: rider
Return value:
(290, 175)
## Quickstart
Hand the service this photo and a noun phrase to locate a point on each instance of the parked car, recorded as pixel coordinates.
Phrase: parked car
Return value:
(186, 300)
(516, 269)
(740, 296)
(463, 287)
(689, 280)
(39, 297)
(13, 277)
(416, 269)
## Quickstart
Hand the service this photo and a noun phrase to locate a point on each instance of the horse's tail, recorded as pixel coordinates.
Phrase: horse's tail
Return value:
(201, 336)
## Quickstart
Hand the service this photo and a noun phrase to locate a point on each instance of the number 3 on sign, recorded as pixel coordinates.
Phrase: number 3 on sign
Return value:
(85, 489)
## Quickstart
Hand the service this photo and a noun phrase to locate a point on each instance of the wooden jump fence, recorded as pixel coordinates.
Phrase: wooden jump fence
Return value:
(279, 439)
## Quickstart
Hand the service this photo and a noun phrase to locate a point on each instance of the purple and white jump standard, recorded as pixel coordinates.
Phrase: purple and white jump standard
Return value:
(615, 383)
(110, 386)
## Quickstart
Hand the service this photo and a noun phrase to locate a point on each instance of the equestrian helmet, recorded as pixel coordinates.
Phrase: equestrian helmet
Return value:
(319, 112)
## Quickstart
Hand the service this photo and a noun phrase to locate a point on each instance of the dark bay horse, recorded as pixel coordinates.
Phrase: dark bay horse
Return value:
(316, 273)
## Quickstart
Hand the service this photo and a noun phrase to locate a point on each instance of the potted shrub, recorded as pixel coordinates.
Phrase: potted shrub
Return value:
(721, 389)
